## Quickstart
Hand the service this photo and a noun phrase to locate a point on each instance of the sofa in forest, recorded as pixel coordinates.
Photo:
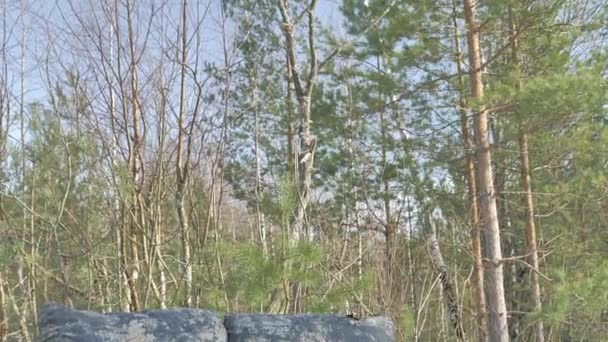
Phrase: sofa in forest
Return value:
(60, 323)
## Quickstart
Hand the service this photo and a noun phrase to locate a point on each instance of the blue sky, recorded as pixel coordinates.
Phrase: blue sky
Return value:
(46, 22)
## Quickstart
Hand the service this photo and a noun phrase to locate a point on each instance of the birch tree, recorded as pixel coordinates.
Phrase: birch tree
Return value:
(305, 144)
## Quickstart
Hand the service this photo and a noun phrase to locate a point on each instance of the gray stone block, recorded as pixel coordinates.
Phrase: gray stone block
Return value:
(59, 323)
(310, 328)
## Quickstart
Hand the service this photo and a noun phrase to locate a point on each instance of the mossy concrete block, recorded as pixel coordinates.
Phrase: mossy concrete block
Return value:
(310, 328)
(59, 323)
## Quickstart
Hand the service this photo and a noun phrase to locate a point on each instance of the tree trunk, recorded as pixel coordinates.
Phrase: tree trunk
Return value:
(532, 251)
(411, 268)
(390, 226)
(449, 291)
(3, 313)
(136, 168)
(512, 270)
(4, 120)
(526, 184)
(157, 209)
(260, 224)
(495, 296)
(467, 140)
(307, 142)
(182, 169)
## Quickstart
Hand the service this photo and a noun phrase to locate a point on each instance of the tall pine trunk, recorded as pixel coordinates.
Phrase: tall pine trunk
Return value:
(531, 248)
(526, 184)
(467, 140)
(495, 294)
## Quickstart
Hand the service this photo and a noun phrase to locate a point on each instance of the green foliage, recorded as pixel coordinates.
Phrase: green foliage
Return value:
(408, 320)
(287, 199)
(333, 299)
(8, 253)
(386, 112)
(579, 296)
(252, 276)
(255, 279)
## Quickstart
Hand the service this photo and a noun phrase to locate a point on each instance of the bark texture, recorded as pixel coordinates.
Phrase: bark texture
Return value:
(526, 184)
(449, 290)
(467, 141)
(494, 283)
(532, 250)
(306, 145)
(182, 168)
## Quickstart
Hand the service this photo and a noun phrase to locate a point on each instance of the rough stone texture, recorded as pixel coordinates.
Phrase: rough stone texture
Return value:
(310, 328)
(59, 323)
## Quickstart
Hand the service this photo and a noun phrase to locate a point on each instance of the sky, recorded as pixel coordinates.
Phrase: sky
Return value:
(43, 28)
(47, 21)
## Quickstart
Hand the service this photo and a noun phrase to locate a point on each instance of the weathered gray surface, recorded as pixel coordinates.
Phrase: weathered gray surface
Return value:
(310, 328)
(58, 323)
